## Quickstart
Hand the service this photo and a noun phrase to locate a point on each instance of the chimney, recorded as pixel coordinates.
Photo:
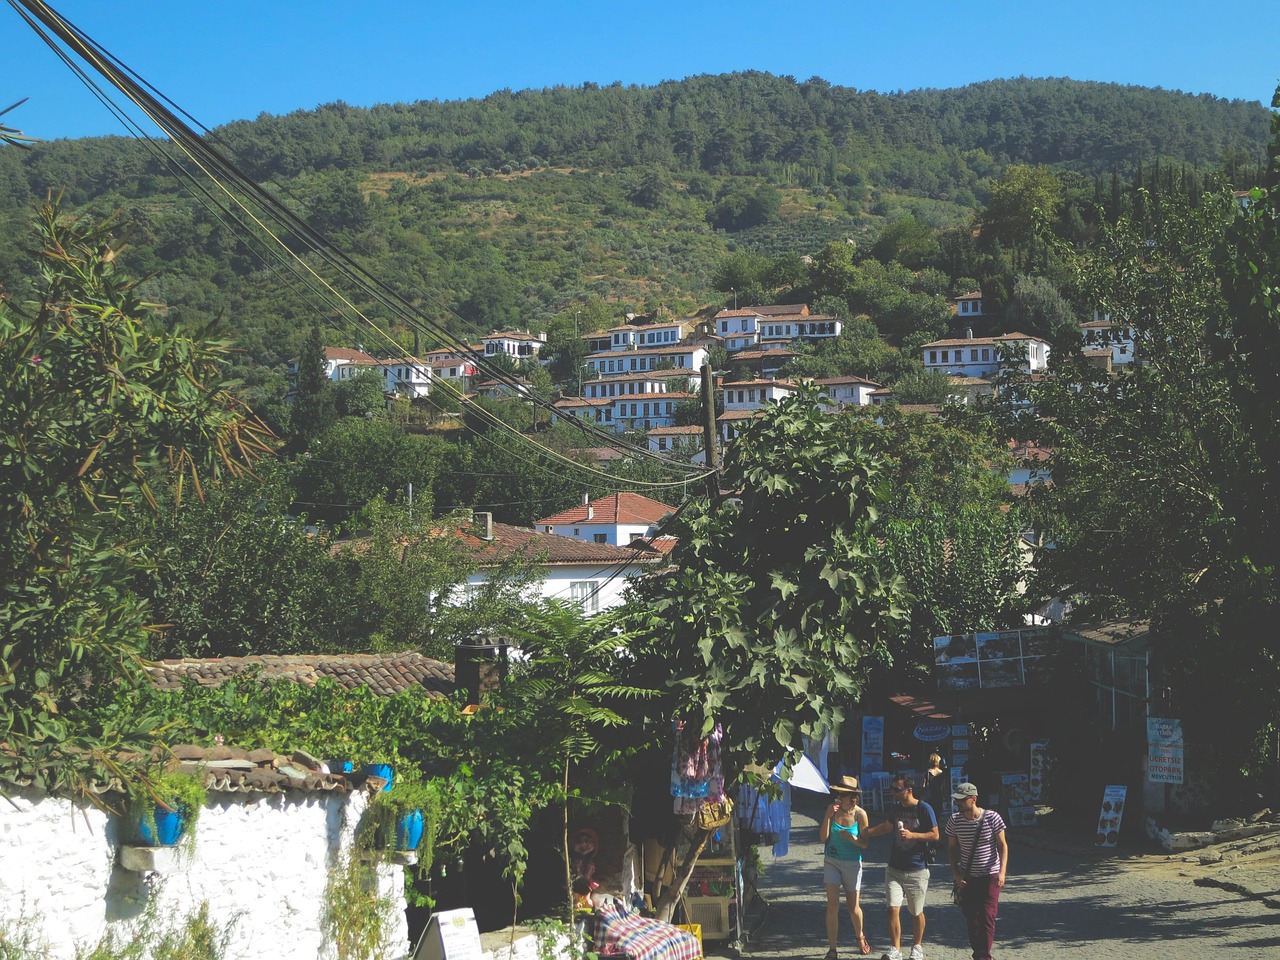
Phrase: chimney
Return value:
(484, 519)
(968, 333)
(479, 665)
(586, 502)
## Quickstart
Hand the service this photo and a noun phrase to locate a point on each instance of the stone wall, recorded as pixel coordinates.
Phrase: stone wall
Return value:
(261, 862)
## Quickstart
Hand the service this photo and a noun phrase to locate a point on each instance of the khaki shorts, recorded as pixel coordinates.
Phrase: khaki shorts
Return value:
(911, 885)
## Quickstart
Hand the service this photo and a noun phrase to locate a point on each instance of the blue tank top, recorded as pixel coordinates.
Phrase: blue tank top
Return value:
(840, 845)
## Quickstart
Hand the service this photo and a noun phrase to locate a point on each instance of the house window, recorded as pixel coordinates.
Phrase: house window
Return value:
(986, 353)
(585, 594)
(600, 537)
(662, 443)
(973, 354)
(933, 356)
(577, 532)
(945, 355)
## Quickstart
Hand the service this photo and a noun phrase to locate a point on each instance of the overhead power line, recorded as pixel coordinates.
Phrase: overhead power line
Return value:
(266, 207)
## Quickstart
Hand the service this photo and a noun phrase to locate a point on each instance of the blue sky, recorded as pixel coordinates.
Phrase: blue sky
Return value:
(236, 59)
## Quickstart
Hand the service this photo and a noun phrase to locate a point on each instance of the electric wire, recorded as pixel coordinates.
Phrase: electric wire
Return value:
(208, 161)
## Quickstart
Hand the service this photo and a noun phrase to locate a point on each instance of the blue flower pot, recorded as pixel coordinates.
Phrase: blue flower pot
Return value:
(383, 770)
(170, 826)
(409, 831)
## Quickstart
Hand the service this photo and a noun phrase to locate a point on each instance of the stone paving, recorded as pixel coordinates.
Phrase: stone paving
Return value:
(1060, 901)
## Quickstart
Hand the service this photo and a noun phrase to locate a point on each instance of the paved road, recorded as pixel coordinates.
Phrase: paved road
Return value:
(1075, 904)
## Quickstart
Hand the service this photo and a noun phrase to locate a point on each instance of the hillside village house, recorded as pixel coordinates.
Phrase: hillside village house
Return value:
(649, 412)
(589, 574)
(783, 323)
(981, 356)
(766, 363)
(755, 394)
(619, 519)
(516, 344)
(636, 360)
(586, 409)
(683, 440)
(969, 305)
(844, 392)
(1104, 337)
(406, 376)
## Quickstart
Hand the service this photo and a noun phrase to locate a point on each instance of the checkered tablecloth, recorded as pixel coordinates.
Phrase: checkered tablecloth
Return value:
(619, 931)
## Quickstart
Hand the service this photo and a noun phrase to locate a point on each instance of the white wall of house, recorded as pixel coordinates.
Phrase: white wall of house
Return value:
(618, 534)
(597, 586)
(260, 861)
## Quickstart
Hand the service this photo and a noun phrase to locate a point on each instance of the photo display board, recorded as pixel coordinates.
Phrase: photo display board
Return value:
(973, 661)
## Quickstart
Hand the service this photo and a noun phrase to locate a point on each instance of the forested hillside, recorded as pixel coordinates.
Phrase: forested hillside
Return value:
(531, 205)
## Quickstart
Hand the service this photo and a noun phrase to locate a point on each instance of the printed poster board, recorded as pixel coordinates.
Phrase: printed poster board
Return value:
(451, 935)
(1017, 795)
(1039, 769)
(872, 745)
(1113, 798)
(1166, 762)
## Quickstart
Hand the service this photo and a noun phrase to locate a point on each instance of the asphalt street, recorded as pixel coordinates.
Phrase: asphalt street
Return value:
(1060, 901)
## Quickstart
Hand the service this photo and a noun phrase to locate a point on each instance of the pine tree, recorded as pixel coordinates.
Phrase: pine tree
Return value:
(313, 408)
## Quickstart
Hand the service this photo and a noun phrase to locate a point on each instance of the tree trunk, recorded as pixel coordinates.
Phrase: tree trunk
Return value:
(665, 906)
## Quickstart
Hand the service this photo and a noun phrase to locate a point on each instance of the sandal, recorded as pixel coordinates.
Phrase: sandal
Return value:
(863, 945)
(831, 954)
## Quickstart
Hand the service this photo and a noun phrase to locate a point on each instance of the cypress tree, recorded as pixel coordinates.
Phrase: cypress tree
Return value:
(313, 408)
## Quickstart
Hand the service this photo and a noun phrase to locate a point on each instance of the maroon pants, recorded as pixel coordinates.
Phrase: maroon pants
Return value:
(978, 903)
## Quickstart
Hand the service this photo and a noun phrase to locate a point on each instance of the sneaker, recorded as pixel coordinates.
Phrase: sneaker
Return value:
(893, 954)
(917, 952)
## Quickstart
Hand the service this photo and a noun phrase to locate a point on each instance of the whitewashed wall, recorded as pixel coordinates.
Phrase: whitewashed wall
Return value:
(260, 861)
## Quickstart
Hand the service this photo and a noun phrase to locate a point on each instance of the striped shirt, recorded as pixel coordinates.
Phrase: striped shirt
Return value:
(986, 859)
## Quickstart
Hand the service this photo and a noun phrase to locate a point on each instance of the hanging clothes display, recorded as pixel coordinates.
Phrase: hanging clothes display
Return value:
(696, 773)
(758, 814)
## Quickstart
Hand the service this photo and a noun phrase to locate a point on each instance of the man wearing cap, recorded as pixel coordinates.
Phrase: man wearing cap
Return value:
(906, 878)
(979, 855)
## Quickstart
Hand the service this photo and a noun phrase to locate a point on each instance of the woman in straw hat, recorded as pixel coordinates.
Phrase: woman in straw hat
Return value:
(841, 832)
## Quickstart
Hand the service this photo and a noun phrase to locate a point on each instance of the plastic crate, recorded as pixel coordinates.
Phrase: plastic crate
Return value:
(711, 914)
(696, 930)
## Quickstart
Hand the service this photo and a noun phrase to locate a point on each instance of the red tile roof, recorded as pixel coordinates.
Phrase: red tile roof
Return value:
(615, 508)
(346, 353)
(978, 341)
(384, 673)
(674, 432)
(546, 548)
(833, 381)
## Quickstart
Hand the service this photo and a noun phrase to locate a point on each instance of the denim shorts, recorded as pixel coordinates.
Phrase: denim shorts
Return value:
(846, 873)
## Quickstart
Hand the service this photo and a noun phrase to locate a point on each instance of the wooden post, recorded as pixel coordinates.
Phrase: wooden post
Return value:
(709, 432)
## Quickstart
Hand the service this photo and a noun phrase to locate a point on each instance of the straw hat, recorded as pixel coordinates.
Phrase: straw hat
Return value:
(846, 785)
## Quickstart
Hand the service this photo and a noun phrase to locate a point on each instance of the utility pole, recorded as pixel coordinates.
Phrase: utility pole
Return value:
(709, 432)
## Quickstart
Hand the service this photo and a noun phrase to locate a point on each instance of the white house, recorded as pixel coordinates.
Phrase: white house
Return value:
(739, 329)
(620, 519)
(516, 344)
(1105, 334)
(846, 391)
(591, 575)
(730, 423)
(763, 363)
(755, 394)
(969, 305)
(686, 440)
(980, 356)
(586, 409)
(680, 357)
(409, 377)
(340, 363)
(504, 390)
(627, 385)
(637, 336)
(647, 411)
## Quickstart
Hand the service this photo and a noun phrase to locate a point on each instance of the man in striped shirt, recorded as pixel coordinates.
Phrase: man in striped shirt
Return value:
(979, 855)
